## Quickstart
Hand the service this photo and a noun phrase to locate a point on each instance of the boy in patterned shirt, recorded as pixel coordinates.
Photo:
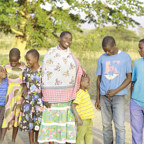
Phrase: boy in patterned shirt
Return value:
(83, 110)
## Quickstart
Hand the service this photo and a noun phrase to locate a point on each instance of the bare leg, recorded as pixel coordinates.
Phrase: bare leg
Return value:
(36, 137)
(51, 142)
(68, 143)
(3, 133)
(31, 137)
(14, 134)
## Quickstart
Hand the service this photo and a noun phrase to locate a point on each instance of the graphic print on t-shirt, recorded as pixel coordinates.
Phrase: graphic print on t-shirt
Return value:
(111, 70)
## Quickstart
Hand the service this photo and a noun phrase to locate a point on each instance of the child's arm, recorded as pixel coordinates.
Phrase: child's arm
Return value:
(97, 104)
(132, 85)
(127, 81)
(80, 122)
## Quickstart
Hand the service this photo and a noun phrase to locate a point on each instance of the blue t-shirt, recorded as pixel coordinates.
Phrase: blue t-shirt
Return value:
(138, 78)
(113, 70)
(3, 91)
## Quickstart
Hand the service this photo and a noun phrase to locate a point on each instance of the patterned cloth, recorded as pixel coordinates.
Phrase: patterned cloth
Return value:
(3, 91)
(61, 75)
(84, 107)
(32, 104)
(58, 124)
(12, 116)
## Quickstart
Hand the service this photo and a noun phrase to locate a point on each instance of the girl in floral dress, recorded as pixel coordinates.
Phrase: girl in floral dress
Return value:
(32, 104)
(12, 116)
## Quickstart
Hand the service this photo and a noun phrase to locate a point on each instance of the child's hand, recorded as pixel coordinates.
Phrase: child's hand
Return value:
(80, 122)
(47, 105)
(24, 91)
(97, 105)
(111, 93)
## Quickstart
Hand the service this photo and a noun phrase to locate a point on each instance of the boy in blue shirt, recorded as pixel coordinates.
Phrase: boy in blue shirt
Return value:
(3, 91)
(137, 101)
(114, 74)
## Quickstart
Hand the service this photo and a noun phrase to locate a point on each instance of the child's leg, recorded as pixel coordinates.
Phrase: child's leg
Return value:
(14, 134)
(3, 133)
(2, 109)
(36, 137)
(31, 137)
(51, 142)
(137, 120)
(89, 134)
(81, 131)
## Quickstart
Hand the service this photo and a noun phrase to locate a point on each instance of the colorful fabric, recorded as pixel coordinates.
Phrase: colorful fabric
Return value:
(61, 74)
(113, 70)
(58, 124)
(12, 116)
(3, 91)
(32, 103)
(84, 132)
(84, 107)
(138, 78)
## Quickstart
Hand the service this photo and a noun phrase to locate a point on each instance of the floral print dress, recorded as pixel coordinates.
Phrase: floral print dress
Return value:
(32, 103)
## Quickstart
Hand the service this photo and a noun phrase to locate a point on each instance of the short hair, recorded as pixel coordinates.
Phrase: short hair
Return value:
(108, 40)
(34, 52)
(142, 40)
(64, 33)
(83, 78)
(14, 52)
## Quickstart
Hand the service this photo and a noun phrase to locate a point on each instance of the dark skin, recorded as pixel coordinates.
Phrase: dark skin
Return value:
(32, 62)
(141, 52)
(14, 62)
(111, 51)
(84, 86)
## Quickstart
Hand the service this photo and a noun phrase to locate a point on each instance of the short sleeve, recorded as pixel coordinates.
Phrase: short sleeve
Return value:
(78, 98)
(134, 72)
(99, 67)
(129, 65)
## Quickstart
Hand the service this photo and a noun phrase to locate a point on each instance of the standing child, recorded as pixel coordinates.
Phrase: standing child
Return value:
(3, 91)
(83, 110)
(137, 101)
(12, 115)
(32, 103)
(114, 74)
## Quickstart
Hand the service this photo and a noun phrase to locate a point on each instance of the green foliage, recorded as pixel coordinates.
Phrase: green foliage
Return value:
(40, 20)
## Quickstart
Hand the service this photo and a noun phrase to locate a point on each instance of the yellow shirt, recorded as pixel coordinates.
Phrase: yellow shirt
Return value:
(84, 107)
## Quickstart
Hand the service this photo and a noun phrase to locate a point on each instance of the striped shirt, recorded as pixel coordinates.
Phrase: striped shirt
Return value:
(3, 91)
(84, 107)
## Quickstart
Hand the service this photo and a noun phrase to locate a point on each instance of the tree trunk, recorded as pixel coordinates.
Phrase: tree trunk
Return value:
(20, 43)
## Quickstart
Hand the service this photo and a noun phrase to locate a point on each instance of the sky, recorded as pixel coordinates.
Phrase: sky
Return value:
(91, 26)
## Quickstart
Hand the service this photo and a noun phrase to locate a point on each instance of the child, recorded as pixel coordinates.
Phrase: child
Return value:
(32, 103)
(3, 91)
(83, 110)
(114, 74)
(12, 115)
(137, 101)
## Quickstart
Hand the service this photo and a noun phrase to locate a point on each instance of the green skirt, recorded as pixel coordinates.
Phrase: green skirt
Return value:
(58, 124)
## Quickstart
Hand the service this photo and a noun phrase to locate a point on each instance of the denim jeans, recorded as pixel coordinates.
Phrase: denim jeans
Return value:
(137, 122)
(113, 109)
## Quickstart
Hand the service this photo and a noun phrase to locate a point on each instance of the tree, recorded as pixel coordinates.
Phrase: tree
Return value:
(35, 21)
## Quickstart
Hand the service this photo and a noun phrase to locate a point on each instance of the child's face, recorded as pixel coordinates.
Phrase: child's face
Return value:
(85, 83)
(109, 50)
(14, 61)
(141, 49)
(31, 60)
